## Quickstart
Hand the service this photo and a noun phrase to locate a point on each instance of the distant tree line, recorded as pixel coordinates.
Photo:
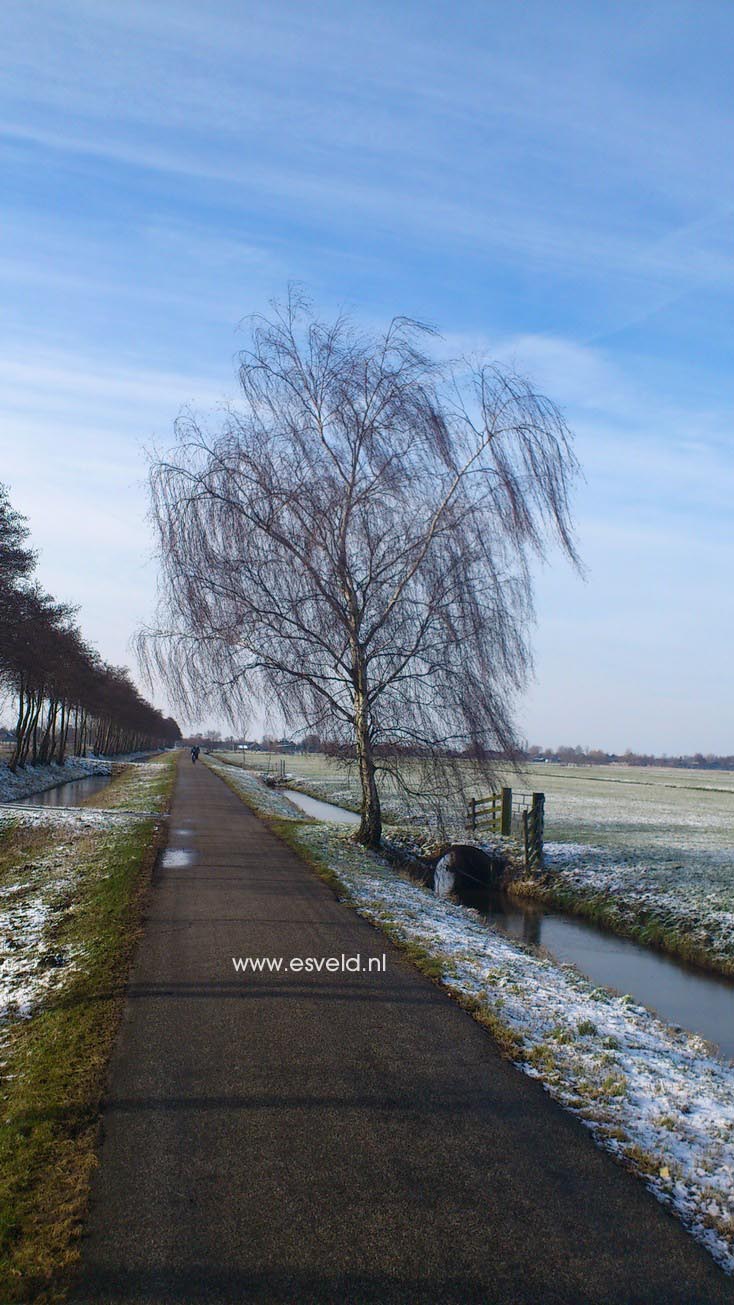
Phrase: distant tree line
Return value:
(579, 756)
(564, 755)
(67, 698)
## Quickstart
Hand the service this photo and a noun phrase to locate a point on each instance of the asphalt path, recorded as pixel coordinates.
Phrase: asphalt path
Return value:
(340, 1137)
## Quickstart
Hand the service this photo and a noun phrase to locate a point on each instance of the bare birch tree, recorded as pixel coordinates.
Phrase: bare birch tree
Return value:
(352, 545)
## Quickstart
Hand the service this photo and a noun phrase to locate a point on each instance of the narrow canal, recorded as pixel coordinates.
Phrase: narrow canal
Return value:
(321, 810)
(700, 1002)
(69, 794)
(690, 998)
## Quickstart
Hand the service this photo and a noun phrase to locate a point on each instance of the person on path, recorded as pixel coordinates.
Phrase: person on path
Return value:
(194, 755)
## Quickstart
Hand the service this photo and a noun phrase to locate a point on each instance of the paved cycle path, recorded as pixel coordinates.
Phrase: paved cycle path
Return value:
(337, 1137)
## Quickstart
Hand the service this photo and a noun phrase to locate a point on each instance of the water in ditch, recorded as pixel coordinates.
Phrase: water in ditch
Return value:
(321, 810)
(69, 794)
(683, 995)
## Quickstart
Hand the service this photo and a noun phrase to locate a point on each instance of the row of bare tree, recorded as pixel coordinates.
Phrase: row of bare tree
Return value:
(68, 699)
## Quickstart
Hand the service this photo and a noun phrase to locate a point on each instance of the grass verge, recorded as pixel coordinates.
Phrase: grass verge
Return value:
(55, 1062)
(137, 786)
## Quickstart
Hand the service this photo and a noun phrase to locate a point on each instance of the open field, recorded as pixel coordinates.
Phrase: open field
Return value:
(71, 890)
(611, 806)
(623, 806)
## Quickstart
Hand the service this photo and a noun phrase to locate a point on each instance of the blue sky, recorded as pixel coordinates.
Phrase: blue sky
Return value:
(549, 182)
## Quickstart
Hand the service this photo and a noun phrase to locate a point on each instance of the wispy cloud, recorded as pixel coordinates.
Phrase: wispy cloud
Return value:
(491, 140)
(67, 387)
(549, 184)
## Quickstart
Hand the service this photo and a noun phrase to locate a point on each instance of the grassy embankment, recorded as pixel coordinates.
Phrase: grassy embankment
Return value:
(642, 924)
(91, 882)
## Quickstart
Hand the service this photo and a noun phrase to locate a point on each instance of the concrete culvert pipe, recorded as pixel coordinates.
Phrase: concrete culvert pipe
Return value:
(465, 868)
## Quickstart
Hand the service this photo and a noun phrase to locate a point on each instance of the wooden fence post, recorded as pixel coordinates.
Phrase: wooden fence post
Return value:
(506, 818)
(537, 813)
(526, 837)
(471, 816)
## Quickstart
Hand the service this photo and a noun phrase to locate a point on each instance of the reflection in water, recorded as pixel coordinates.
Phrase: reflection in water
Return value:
(177, 858)
(702, 1003)
(69, 794)
(531, 929)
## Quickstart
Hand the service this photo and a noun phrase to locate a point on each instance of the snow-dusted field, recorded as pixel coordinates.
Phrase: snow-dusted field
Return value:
(642, 844)
(652, 1095)
(625, 806)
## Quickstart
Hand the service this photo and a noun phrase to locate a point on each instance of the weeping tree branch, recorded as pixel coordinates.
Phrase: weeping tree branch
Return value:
(352, 545)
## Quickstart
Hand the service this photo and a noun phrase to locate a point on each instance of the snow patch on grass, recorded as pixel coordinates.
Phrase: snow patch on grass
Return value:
(29, 908)
(46, 885)
(69, 817)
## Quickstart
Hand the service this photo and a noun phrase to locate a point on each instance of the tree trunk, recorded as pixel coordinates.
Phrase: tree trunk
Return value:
(370, 827)
(48, 738)
(80, 742)
(20, 729)
(31, 739)
(24, 731)
(63, 732)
